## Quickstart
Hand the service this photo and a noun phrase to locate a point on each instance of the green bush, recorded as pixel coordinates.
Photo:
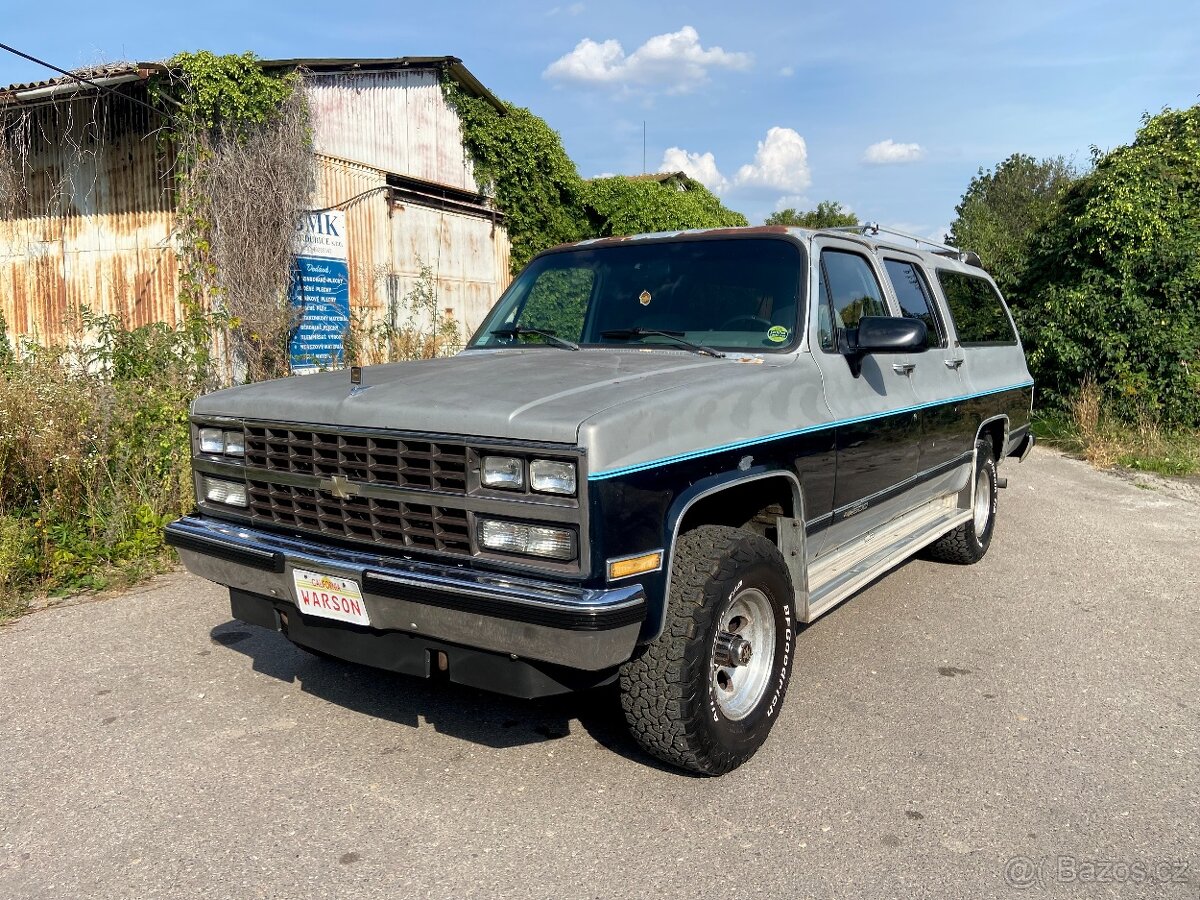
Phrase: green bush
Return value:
(94, 455)
(1112, 290)
(623, 205)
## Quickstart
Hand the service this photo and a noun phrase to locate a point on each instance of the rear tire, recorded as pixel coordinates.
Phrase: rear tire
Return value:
(706, 693)
(969, 542)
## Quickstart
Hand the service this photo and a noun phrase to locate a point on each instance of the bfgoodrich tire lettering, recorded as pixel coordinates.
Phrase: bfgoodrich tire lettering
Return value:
(970, 541)
(669, 692)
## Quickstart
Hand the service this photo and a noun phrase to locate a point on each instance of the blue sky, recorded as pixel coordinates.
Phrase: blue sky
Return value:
(889, 108)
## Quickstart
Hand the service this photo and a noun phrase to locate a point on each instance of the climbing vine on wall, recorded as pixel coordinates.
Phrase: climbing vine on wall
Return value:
(521, 160)
(243, 174)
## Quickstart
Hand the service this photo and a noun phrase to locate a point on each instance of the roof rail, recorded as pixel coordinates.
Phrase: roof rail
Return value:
(874, 229)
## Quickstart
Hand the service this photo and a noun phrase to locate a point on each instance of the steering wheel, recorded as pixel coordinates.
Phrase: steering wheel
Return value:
(757, 321)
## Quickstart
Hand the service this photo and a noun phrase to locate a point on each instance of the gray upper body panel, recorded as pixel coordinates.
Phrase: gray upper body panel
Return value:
(536, 394)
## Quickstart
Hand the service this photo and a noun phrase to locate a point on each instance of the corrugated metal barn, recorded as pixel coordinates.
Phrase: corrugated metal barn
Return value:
(94, 225)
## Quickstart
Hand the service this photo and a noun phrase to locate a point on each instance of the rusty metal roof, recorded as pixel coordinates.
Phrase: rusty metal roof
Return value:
(111, 74)
(104, 75)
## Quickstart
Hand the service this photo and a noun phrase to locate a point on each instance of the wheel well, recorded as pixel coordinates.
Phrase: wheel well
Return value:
(752, 506)
(995, 430)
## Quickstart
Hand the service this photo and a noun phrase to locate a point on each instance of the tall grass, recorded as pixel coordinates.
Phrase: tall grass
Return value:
(94, 446)
(1087, 428)
(94, 456)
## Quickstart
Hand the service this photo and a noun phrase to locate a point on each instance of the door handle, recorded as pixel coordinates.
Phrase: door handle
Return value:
(953, 363)
(903, 368)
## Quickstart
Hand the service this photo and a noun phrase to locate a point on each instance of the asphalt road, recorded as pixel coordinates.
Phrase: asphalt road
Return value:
(1040, 707)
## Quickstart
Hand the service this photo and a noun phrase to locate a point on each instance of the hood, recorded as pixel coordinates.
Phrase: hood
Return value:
(537, 394)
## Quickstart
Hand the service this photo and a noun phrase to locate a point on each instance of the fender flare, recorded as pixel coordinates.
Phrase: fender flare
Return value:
(706, 487)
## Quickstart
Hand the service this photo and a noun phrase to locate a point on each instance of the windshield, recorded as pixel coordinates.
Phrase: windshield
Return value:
(727, 294)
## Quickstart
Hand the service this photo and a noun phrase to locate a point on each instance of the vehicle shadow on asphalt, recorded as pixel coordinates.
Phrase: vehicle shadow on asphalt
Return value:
(491, 720)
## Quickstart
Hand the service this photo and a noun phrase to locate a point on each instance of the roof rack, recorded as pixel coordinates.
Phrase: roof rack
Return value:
(873, 229)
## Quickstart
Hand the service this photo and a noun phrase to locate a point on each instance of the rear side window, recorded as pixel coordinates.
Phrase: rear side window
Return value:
(848, 291)
(977, 309)
(913, 293)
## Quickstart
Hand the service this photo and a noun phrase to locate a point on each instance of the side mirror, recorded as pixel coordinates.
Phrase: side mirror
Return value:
(884, 334)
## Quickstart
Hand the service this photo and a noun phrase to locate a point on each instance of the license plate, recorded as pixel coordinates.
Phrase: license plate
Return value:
(329, 597)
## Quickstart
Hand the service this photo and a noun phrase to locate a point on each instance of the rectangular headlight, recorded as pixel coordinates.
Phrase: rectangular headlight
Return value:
(530, 540)
(218, 490)
(503, 472)
(227, 443)
(212, 440)
(235, 443)
(552, 477)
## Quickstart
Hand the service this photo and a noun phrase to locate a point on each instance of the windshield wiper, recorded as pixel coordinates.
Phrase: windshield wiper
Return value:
(676, 336)
(518, 330)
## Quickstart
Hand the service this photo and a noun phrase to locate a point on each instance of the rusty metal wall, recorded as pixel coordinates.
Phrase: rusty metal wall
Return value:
(93, 228)
(96, 227)
(396, 121)
(388, 243)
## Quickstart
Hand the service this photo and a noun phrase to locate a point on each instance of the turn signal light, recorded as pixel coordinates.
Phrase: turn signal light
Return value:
(634, 565)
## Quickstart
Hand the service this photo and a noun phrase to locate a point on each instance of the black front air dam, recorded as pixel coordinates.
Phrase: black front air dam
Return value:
(411, 654)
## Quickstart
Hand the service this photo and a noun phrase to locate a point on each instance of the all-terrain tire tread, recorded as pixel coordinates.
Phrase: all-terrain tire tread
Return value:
(960, 545)
(658, 692)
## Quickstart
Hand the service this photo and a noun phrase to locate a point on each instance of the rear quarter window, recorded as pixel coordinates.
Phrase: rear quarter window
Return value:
(978, 312)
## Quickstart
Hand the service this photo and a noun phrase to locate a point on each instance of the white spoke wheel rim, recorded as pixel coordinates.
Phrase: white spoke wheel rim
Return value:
(738, 689)
(983, 502)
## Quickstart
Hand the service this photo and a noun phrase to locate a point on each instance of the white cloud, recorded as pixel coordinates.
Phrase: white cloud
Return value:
(781, 163)
(888, 151)
(676, 62)
(791, 201)
(787, 72)
(701, 166)
(573, 10)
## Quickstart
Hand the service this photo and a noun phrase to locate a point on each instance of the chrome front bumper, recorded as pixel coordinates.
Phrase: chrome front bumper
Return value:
(577, 627)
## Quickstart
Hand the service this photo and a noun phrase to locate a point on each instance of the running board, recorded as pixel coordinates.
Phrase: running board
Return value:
(857, 564)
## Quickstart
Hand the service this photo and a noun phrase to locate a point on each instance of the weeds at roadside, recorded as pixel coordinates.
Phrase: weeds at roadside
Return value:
(1088, 431)
(94, 455)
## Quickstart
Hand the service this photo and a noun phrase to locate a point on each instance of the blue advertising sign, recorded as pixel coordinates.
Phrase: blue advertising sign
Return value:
(320, 292)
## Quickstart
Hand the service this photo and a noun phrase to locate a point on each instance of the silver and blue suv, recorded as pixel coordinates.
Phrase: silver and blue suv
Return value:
(655, 459)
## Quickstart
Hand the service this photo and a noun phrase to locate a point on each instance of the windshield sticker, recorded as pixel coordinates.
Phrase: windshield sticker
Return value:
(777, 334)
(644, 298)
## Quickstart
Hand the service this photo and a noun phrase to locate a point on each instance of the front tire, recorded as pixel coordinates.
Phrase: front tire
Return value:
(706, 693)
(969, 542)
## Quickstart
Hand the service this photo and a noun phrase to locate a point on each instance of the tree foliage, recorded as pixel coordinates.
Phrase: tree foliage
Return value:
(1005, 207)
(521, 161)
(1111, 292)
(621, 205)
(828, 214)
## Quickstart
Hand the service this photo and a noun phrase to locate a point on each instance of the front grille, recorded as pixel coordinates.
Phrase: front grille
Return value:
(392, 523)
(395, 461)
